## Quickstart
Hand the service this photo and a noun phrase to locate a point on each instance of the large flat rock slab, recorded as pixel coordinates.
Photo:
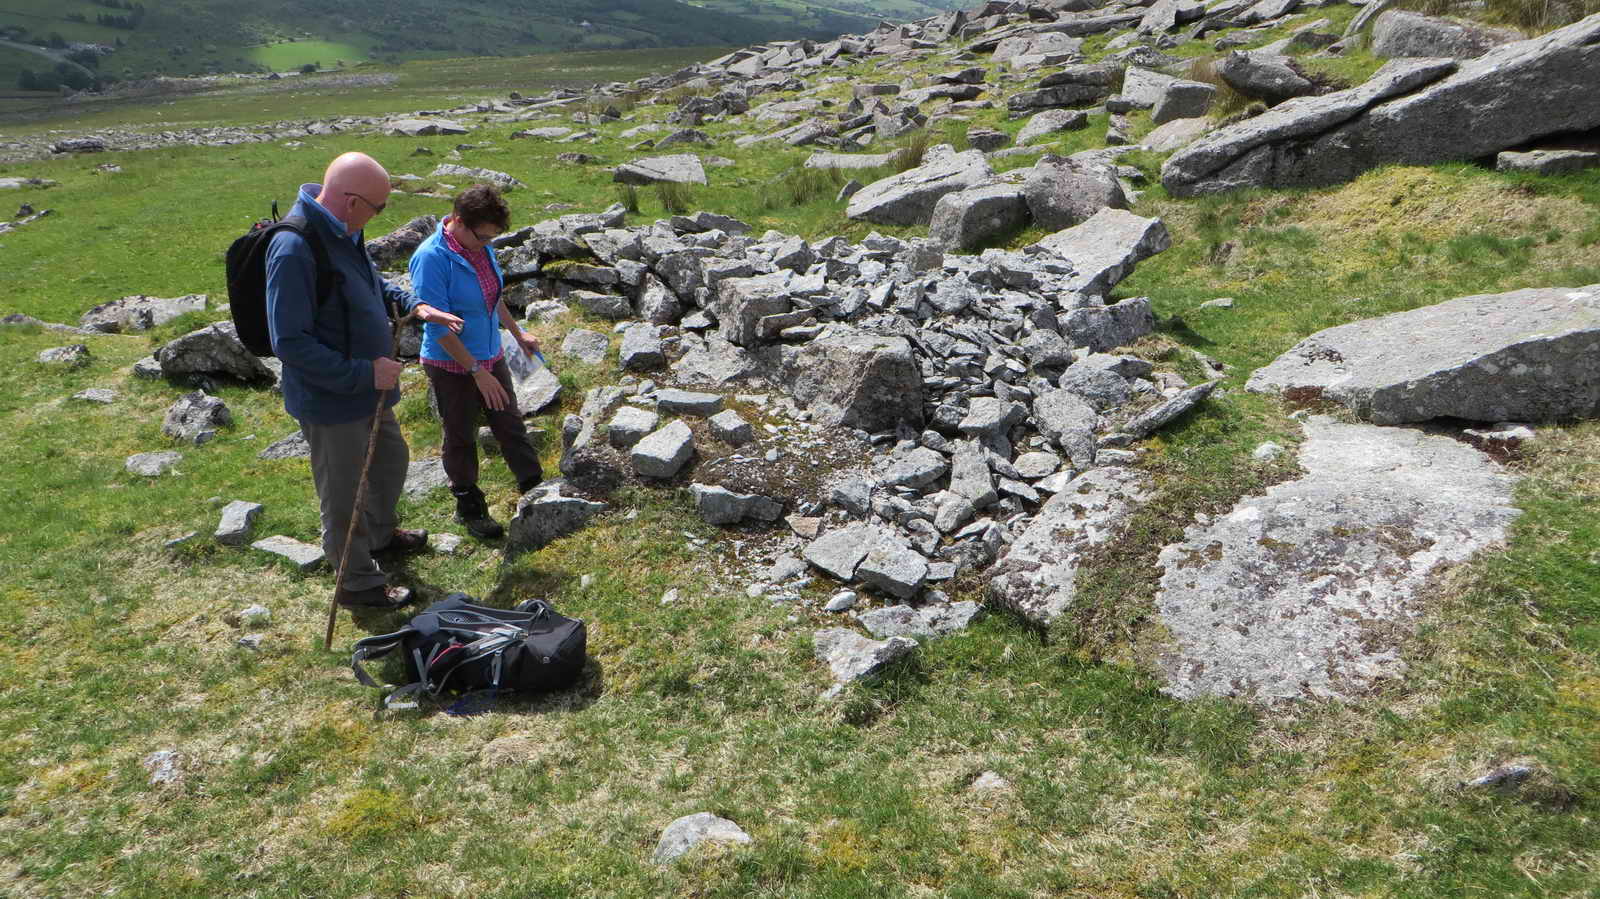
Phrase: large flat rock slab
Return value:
(908, 198)
(1311, 590)
(1104, 249)
(681, 168)
(1038, 577)
(1527, 355)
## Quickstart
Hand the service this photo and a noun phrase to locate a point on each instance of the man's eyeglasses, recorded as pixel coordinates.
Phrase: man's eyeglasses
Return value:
(377, 208)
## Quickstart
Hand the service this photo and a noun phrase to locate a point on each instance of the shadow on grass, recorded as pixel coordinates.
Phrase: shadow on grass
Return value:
(1176, 328)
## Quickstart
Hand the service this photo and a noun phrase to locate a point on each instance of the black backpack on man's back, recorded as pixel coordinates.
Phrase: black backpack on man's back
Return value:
(247, 277)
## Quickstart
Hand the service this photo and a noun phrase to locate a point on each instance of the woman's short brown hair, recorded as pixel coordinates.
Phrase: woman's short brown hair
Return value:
(481, 204)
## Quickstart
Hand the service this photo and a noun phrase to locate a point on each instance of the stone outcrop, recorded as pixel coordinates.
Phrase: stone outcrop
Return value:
(859, 380)
(212, 350)
(1410, 112)
(152, 464)
(195, 417)
(476, 175)
(1309, 590)
(1051, 121)
(663, 453)
(392, 252)
(682, 168)
(1547, 162)
(545, 515)
(908, 198)
(305, 557)
(1263, 76)
(690, 831)
(1062, 192)
(237, 522)
(721, 506)
(850, 656)
(1104, 249)
(1402, 33)
(1527, 355)
(965, 220)
(139, 312)
(425, 127)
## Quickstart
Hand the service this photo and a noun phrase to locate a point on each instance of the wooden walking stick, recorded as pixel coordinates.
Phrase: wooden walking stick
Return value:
(360, 501)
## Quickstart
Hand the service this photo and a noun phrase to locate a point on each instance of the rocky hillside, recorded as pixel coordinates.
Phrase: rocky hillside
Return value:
(953, 426)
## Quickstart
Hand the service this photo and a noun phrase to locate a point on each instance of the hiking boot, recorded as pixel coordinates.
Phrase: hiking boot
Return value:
(380, 597)
(472, 510)
(404, 543)
(532, 480)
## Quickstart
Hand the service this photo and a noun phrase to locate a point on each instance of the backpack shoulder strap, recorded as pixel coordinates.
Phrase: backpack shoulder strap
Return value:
(329, 279)
(327, 276)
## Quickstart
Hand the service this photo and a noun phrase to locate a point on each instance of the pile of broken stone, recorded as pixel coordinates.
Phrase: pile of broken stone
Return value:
(985, 382)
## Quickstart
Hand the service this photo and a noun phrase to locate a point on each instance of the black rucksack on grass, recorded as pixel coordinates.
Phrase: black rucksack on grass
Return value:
(247, 277)
(456, 645)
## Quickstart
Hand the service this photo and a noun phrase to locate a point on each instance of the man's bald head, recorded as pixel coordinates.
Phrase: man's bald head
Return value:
(354, 188)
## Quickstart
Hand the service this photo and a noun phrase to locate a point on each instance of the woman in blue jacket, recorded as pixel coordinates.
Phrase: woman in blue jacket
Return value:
(454, 270)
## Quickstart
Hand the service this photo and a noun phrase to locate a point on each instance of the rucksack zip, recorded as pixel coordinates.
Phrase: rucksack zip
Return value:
(496, 650)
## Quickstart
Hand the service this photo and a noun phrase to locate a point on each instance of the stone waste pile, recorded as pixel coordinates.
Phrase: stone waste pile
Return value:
(928, 404)
(972, 388)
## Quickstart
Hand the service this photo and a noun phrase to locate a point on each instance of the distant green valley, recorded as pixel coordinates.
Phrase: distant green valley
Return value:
(81, 43)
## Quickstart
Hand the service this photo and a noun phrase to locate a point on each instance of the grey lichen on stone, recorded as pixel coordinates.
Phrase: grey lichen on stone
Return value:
(1310, 590)
(690, 831)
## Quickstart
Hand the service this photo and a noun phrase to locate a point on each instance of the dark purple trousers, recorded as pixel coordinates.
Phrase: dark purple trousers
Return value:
(460, 404)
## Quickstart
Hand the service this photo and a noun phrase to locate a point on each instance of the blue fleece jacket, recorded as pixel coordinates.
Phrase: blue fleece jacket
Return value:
(445, 280)
(327, 347)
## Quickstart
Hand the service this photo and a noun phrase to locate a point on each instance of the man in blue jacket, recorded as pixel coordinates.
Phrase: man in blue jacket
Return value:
(338, 354)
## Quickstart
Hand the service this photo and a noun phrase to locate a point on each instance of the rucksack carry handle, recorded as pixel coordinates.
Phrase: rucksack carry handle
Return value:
(373, 647)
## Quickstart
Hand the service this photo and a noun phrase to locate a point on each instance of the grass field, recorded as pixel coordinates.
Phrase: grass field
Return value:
(297, 782)
(431, 83)
(283, 56)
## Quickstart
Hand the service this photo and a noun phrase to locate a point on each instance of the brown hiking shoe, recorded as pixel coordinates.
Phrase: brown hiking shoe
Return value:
(382, 597)
(405, 543)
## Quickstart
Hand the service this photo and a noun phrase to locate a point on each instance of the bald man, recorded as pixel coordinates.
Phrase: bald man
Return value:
(338, 354)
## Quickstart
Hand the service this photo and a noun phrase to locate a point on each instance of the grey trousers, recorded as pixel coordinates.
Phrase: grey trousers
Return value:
(337, 452)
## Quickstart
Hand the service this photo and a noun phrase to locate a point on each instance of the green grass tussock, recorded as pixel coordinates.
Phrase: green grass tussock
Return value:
(1227, 101)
